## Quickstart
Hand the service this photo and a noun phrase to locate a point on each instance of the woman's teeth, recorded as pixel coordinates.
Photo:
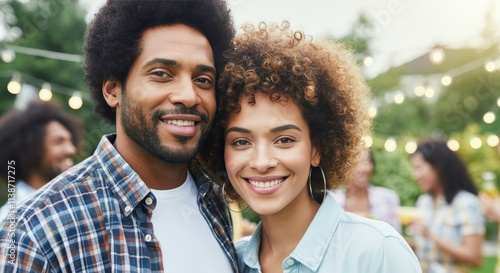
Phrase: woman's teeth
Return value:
(266, 184)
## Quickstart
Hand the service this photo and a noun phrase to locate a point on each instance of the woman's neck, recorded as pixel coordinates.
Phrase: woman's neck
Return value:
(282, 232)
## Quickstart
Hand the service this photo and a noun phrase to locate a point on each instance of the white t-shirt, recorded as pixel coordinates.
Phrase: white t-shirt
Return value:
(186, 240)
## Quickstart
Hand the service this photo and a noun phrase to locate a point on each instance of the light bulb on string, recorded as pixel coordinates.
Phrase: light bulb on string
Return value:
(14, 86)
(368, 61)
(390, 145)
(7, 55)
(446, 80)
(368, 141)
(489, 117)
(75, 102)
(372, 111)
(45, 93)
(399, 97)
(419, 90)
(437, 55)
(429, 92)
(475, 143)
(490, 66)
(411, 147)
(492, 140)
(453, 145)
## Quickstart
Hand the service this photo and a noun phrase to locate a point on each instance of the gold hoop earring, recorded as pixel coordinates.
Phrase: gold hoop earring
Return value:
(226, 204)
(310, 184)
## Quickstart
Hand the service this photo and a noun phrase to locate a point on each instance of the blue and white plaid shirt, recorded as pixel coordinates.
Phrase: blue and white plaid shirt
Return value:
(94, 218)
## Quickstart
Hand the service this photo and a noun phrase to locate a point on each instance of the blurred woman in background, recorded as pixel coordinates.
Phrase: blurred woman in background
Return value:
(450, 236)
(367, 200)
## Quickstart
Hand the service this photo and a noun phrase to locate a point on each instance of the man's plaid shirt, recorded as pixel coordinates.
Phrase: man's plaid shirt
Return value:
(94, 218)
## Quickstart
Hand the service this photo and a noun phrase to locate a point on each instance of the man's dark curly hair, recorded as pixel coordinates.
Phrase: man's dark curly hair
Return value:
(452, 172)
(22, 135)
(323, 79)
(112, 40)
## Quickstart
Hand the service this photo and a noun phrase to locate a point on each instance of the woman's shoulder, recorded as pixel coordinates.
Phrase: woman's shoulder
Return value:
(365, 228)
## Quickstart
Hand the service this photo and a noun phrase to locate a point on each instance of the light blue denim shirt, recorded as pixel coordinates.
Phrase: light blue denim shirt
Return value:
(338, 241)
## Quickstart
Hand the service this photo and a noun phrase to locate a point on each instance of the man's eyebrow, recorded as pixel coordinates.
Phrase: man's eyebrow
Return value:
(163, 61)
(285, 127)
(169, 62)
(206, 68)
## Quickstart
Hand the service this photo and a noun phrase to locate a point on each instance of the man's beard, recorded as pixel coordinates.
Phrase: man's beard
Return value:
(145, 132)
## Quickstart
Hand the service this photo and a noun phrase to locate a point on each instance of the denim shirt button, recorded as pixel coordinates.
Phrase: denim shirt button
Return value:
(290, 261)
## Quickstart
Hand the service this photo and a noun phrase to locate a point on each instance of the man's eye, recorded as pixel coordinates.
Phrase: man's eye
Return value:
(159, 73)
(203, 80)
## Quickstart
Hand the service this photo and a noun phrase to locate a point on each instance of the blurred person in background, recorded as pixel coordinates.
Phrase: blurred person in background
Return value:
(490, 207)
(367, 200)
(41, 141)
(449, 238)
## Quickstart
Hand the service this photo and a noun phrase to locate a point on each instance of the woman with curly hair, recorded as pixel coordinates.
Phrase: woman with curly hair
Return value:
(290, 120)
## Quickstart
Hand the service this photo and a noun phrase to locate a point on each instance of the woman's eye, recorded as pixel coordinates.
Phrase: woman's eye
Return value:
(240, 142)
(285, 140)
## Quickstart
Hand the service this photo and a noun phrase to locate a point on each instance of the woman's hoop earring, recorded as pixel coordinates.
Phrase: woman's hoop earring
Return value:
(225, 202)
(310, 184)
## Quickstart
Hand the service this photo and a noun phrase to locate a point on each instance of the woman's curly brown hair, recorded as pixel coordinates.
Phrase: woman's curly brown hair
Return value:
(321, 78)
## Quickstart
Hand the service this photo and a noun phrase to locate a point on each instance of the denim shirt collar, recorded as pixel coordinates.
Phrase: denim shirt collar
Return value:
(312, 248)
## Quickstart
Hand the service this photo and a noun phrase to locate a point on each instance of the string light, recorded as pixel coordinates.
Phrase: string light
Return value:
(7, 55)
(490, 66)
(453, 145)
(446, 80)
(368, 141)
(372, 111)
(419, 90)
(437, 55)
(390, 145)
(368, 61)
(45, 93)
(476, 143)
(492, 140)
(14, 86)
(429, 92)
(399, 97)
(411, 147)
(75, 102)
(489, 117)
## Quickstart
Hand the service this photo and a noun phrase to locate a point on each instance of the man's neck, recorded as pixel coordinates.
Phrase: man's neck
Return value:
(156, 173)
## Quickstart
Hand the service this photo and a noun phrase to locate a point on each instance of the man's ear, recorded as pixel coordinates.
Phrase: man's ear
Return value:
(112, 92)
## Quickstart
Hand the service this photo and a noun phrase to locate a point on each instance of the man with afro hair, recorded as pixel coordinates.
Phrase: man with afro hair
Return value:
(141, 202)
